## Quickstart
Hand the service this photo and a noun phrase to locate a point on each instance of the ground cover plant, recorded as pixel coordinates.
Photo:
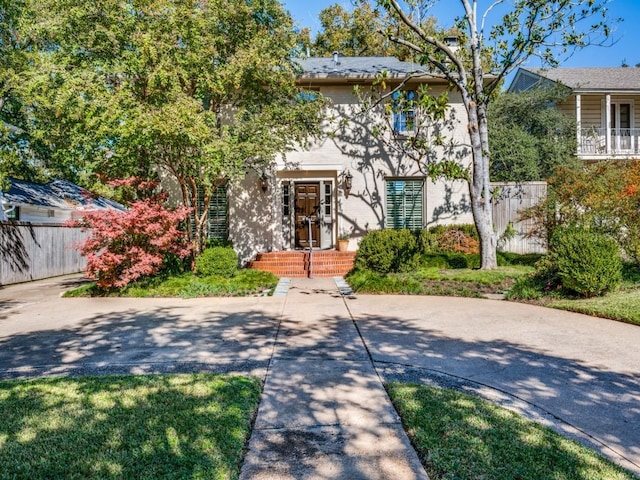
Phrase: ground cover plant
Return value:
(157, 426)
(216, 274)
(464, 437)
(436, 281)
(187, 285)
(442, 260)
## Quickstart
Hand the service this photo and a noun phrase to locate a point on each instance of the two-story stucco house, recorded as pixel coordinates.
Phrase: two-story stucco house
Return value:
(347, 182)
(603, 102)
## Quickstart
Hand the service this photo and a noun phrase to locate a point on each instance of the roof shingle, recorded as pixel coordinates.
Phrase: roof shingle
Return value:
(592, 78)
(314, 67)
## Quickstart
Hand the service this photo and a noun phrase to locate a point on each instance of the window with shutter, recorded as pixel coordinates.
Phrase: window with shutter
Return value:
(405, 203)
(218, 218)
(218, 214)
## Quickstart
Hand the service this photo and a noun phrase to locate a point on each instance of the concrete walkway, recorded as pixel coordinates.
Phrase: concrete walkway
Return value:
(324, 413)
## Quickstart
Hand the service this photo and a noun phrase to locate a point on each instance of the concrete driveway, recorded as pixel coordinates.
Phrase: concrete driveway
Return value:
(322, 357)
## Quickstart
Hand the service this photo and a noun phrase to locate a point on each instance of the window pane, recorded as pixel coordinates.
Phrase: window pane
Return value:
(218, 218)
(327, 200)
(625, 115)
(403, 111)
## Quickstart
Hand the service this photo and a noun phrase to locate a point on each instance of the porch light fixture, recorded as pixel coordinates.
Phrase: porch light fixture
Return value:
(348, 183)
(264, 184)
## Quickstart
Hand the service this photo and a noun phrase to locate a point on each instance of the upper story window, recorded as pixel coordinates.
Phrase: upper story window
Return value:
(14, 214)
(404, 115)
(308, 94)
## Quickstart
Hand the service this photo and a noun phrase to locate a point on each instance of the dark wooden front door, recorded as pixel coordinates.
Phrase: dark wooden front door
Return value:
(307, 207)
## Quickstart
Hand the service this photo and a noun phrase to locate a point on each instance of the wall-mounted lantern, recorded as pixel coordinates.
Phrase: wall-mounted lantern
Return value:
(347, 183)
(264, 183)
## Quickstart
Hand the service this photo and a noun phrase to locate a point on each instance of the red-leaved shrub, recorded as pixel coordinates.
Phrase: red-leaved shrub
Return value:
(453, 240)
(127, 245)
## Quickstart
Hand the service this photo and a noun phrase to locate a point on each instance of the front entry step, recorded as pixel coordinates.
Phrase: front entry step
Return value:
(324, 263)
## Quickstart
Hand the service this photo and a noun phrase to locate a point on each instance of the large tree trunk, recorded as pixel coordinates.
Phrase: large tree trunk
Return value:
(480, 187)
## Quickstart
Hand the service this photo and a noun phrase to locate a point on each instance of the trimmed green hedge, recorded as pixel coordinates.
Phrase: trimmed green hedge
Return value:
(588, 263)
(387, 251)
(221, 261)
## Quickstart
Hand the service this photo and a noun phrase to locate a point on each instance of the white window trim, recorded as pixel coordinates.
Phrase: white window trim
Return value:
(617, 102)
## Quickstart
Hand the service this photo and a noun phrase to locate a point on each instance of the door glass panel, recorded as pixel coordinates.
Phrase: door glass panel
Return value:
(625, 115)
(307, 213)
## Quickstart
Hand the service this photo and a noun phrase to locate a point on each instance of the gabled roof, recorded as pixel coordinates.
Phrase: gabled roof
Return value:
(580, 80)
(57, 194)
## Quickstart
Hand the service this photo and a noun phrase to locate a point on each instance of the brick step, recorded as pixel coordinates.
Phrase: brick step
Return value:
(325, 263)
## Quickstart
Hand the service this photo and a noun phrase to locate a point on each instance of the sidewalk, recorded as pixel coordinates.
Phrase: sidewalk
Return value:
(324, 413)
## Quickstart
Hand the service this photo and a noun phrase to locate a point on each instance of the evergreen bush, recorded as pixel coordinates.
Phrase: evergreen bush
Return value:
(220, 261)
(388, 251)
(587, 263)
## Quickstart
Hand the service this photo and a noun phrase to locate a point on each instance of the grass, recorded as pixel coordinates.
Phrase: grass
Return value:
(186, 285)
(460, 437)
(437, 281)
(622, 305)
(158, 426)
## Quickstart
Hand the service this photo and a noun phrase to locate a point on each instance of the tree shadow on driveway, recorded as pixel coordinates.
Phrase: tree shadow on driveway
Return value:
(154, 340)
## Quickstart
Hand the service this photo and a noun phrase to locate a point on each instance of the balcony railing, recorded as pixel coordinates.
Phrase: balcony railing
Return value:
(624, 141)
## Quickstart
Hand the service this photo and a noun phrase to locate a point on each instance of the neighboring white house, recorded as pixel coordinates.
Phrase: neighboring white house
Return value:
(603, 103)
(347, 182)
(54, 202)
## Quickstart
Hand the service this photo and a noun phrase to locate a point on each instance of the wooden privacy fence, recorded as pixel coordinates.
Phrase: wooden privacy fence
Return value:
(34, 251)
(509, 201)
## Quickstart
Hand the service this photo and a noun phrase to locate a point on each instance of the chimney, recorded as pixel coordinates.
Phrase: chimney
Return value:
(453, 42)
(336, 58)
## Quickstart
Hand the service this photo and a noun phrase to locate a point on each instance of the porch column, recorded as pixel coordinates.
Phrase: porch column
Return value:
(607, 116)
(579, 122)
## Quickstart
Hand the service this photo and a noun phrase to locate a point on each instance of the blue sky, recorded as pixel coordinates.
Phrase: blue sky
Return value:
(305, 14)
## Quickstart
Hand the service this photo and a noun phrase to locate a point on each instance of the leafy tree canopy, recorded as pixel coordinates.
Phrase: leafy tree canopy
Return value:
(199, 91)
(529, 137)
(357, 32)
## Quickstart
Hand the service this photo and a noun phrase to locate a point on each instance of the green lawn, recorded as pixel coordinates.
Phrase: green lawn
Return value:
(623, 305)
(460, 437)
(186, 285)
(157, 426)
(436, 281)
